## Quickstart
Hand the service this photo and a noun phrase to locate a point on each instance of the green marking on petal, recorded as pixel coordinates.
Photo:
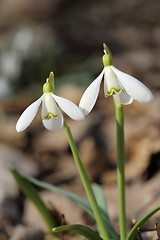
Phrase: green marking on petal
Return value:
(50, 115)
(113, 91)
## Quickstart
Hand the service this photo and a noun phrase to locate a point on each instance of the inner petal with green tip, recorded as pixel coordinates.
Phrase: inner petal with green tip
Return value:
(113, 91)
(50, 115)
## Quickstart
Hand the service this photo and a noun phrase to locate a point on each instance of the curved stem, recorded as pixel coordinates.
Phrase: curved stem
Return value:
(120, 168)
(86, 183)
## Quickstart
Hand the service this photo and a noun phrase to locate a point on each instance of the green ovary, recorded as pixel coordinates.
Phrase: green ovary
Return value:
(50, 115)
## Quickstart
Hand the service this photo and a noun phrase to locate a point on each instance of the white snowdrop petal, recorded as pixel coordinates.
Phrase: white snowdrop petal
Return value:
(51, 115)
(133, 87)
(71, 109)
(111, 82)
(28, 115)
(124, 98)
(49, 106)
(53, 124)
(90, 95)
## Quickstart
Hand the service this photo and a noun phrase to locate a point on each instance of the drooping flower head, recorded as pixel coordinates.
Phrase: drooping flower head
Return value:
(122, 86)
(52, 117)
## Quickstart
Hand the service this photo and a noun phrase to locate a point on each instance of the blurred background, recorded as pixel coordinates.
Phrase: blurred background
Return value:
(66, 37)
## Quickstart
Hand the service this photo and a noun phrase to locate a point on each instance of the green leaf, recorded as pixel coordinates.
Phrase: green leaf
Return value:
(32, 194)
(99, 195)
(80, 229)
(101, 200)
(134, 230)
(78, 200)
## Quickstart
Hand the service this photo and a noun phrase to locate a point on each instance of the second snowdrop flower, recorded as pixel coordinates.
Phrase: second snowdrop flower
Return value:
(122, 86)
(52, 117)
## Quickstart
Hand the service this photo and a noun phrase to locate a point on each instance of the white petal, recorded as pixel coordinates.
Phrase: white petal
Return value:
(71, 109)
(53, 124)
(28, 115)
(111, 82)
(90, 95)
(133, 87)
(49, 106)
(124, 98)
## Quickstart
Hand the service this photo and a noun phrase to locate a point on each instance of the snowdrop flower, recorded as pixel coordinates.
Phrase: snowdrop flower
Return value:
(52, 117)
(123, 87)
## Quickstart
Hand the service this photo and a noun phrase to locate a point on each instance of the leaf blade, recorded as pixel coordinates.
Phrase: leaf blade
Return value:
(31, 193)
(99, 195)
(80, 229)
(77, 199)
(140, 222)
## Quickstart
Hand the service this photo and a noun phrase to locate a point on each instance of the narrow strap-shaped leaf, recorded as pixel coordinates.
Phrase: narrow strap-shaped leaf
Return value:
(102, 203)
(99, 194)
(72, 196)
(78, 200)
(80, 229)
(32, 194)
(141, 221)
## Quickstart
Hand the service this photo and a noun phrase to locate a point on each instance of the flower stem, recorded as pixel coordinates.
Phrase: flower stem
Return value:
(86, 183)
(120, 168)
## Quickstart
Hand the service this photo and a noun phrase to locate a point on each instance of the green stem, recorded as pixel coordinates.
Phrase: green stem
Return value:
(86, 183)
(120, 168)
